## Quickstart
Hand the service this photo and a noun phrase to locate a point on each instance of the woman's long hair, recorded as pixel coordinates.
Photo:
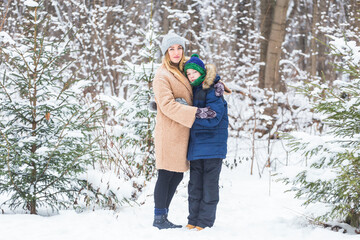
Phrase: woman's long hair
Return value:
(176, 69)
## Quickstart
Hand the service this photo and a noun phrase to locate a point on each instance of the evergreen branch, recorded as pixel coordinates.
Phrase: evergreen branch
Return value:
(21, 115)
(336, 96)
(65, 172)
(8, 165)
(8, 143)
(61, 137)
(3, 87)
(55, 193)
(48, 64)
(26, 63)
(57, 145)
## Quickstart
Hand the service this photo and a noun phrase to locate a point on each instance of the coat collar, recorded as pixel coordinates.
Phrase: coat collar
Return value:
(183, 80)
(186, 83)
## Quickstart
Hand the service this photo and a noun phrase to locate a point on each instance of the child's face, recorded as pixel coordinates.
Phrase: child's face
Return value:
(192, 74)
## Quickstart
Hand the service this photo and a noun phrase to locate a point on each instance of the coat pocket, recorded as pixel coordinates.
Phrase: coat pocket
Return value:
(212, 136)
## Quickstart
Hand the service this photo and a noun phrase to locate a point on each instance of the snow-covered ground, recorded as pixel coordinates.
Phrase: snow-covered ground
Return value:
(246, 211)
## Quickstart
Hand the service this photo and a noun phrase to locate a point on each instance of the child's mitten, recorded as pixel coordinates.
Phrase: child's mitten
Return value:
(205, 113)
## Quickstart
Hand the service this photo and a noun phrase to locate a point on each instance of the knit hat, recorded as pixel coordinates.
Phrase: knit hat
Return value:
(171, 39)
(195, 63)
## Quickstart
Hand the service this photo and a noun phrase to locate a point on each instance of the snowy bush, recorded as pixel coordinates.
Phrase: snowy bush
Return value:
(332, 174)
(128, 131)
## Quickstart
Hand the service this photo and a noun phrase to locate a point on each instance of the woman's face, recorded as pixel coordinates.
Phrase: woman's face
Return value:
(175, 53)
(192, 74)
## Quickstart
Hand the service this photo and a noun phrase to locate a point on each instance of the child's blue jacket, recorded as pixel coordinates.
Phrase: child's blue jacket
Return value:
(208, 137)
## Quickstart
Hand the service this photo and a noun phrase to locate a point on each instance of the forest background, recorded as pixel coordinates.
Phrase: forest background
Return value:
(263, 50)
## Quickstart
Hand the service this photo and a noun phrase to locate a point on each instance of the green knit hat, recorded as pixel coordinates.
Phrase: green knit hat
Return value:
(195, 63)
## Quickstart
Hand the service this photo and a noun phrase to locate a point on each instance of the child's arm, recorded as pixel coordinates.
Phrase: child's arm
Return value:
(216, 104)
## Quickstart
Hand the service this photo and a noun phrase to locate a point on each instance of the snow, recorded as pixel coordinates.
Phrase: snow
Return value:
(31, 3)
(5, 38)
(245, 211)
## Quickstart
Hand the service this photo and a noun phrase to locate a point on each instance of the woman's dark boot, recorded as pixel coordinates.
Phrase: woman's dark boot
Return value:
(161, 222)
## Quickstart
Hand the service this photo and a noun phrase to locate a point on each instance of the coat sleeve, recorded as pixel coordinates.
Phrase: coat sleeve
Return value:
(215, 103)
(180, 113)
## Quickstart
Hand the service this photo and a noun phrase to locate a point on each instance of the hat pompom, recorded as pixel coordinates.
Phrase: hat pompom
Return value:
(195, 55)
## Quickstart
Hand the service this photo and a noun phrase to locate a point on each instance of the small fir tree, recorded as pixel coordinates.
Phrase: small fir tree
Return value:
(46, 135)
(333, 173)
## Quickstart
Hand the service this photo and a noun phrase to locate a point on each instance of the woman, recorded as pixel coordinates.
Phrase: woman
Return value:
(173, 123)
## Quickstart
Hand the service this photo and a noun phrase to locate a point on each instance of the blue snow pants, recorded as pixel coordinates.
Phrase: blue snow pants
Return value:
(203, 191)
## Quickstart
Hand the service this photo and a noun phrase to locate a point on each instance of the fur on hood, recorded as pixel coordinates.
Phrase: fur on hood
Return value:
(210, 78)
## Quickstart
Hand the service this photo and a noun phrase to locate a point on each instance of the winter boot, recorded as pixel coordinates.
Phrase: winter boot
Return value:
(198, 228)
(173, 225)
(189, 226)
(166, 215)
(161, 222)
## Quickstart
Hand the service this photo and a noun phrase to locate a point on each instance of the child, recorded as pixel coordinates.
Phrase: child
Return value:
(208, 143)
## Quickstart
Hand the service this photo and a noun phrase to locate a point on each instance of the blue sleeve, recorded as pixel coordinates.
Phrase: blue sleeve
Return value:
(216, 104)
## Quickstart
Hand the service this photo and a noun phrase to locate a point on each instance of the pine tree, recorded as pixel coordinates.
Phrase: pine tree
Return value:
(46, 128)
(333, 175)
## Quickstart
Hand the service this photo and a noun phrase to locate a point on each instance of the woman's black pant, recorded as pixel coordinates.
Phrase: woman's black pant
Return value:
(165, 188)
(203, 191)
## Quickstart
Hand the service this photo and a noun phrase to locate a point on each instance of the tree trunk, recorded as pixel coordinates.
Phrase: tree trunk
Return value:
(353, 219)
(33, 102)
(267, 9)
(321, 58)
(313, 50)
(273, 56)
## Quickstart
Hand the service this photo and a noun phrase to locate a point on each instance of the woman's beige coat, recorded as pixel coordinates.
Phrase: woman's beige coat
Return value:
(173, 120)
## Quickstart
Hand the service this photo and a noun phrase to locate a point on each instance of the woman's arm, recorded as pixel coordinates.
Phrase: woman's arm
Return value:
(185, 115)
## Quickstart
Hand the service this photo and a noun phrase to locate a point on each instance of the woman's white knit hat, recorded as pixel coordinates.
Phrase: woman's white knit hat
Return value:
(171, 39)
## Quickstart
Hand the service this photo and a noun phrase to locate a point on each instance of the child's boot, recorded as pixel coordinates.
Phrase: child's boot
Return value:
(198, 228)
(189, 226)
